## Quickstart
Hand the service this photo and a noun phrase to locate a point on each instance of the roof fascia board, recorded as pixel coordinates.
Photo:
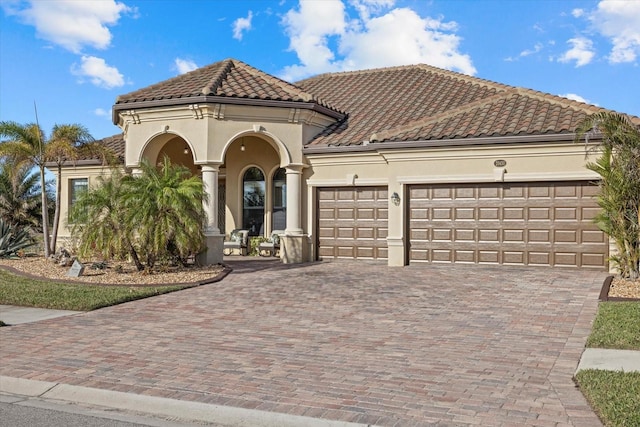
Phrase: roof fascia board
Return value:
(444, 143)
(205, 99)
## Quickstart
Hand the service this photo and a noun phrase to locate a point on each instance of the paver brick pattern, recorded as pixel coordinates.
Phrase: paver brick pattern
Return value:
(351, 341)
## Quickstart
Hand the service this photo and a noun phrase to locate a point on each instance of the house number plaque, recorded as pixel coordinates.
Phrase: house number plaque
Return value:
(500, 163)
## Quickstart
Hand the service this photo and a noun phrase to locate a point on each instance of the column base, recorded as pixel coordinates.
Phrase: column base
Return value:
(395, 252)
(213, 254)
(294, 249)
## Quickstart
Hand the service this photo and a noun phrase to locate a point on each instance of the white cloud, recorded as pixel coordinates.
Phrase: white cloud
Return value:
(577, 13)
(581, 51)
(318, 31)
(527, 52)
(98, 72)
(184, 65)
(619, 21)
(241, 25)
(101, 112)
(576, 97)
(72, 24)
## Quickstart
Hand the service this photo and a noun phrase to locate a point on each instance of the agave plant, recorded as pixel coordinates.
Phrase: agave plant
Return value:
(13, 239)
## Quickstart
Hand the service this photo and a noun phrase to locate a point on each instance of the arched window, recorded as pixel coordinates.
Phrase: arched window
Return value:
(279, 200)
(253, 201)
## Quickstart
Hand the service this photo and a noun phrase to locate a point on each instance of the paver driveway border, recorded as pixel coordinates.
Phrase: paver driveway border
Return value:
(347, 341)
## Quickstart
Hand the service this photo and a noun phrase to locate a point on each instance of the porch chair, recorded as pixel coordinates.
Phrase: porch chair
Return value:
(238, 239)
(272, 246)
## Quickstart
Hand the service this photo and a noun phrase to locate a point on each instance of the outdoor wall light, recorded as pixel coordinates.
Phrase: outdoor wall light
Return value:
(395, 199)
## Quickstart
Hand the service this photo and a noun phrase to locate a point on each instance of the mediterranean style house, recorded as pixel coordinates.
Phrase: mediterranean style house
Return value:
(410, 164)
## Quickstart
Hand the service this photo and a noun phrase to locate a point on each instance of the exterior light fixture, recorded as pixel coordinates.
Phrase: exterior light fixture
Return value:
(242, 147)
(395, 199)
(186, 151)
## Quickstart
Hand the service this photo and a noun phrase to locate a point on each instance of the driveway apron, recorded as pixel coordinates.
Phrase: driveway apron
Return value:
(350, 341)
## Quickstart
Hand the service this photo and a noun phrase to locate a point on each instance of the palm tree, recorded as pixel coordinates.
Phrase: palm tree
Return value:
(67, 143)
(156, 215)
(26, 145)
(165, 204)
(619, 198)
(99, 221)
(19, 196)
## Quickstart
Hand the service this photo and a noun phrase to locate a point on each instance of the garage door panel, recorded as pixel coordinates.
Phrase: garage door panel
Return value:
(352, 222)
(519, 224)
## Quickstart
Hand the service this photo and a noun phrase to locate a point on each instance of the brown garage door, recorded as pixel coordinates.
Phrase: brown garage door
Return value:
(516, 223)
(352, 222)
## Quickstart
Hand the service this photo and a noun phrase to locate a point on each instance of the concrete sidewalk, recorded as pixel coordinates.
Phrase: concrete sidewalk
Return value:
(610, 360)
(14, 315)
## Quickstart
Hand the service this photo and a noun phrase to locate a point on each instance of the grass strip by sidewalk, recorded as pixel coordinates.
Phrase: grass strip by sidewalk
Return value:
(617, 325)
(613, 395)
(22, 291)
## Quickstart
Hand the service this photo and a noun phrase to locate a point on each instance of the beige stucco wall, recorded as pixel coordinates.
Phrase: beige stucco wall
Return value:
(92, 174)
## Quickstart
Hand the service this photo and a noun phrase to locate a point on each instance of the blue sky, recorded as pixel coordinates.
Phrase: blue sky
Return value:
(74, 57)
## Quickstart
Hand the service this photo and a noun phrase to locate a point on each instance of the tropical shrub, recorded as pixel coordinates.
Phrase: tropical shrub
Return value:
(619, 198)
(13, 239)
(150, 218)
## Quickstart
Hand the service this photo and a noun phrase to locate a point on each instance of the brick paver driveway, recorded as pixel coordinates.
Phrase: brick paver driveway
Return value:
(346, 341)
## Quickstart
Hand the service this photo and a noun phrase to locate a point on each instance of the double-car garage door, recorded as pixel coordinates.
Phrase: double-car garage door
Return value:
(547, 224)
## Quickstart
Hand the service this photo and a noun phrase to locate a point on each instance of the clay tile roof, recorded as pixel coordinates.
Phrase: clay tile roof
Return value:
(115, 143)
(421, 102)
(229, 78)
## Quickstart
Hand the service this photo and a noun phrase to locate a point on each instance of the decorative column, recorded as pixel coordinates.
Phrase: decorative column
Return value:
(294, 244)
(210, 183)
(213, 238)
(294, 202)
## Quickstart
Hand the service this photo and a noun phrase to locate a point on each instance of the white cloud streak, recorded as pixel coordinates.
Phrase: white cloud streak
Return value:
(325, 38)
(184, 65)
(98, 72)
(619, 21)
(581, 52)
(72, 24)
(241, 25)
(576, 97)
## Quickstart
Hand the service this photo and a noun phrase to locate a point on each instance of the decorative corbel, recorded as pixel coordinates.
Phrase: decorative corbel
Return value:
(218, 111)
(294, 115)
(134, 116)
(196, 111)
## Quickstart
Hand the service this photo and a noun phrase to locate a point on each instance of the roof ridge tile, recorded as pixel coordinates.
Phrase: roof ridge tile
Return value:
(217, 80)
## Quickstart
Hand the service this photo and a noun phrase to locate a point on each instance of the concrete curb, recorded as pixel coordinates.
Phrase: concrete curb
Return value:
(160, 406)
(610, 360)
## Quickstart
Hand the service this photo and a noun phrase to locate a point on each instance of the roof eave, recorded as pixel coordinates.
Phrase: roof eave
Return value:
(207, 99)
(444, 143)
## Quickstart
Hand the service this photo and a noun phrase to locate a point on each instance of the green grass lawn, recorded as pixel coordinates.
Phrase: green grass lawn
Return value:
(18, 290)
(614, 396)
(617, 325)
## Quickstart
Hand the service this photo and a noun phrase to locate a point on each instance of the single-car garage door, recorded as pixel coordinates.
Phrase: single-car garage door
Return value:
(506, 223)
(352, 222)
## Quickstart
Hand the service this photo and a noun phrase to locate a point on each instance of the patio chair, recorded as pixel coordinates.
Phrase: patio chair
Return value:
(272, 246)
(238, 240)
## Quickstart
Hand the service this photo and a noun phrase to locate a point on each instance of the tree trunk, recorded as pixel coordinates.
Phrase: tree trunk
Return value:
(56, 215)
(45, 214)
(134, 256)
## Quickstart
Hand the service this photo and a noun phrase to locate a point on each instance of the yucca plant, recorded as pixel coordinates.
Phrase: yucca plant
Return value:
(13, 239)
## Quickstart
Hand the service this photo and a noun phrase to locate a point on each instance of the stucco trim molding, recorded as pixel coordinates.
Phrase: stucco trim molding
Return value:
(508, 177)
(357, 182)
